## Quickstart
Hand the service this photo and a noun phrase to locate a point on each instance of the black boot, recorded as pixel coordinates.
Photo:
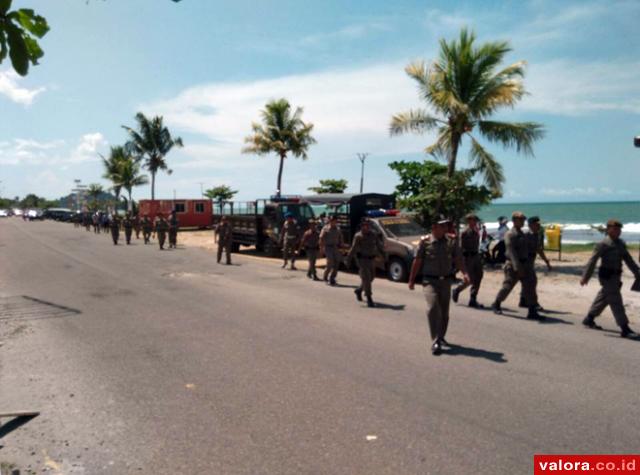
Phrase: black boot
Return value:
(589, 322)
(455, 295)
(533, 314)
(473, 303)
(627, 332)
(358, 293)
(370, 302)
(497, 309)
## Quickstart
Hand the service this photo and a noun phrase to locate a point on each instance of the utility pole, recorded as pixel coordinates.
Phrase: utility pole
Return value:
(362, 157)
(201, 189)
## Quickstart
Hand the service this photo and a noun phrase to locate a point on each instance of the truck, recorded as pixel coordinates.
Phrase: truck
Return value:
(258, 223)
(191, 213)
(400, 232)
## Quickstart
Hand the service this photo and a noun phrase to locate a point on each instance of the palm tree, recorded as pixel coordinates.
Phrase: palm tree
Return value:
(220, 193)
(281, 132)
(94, 191)
(464, 87)
(151, 143)
(128, 177)
(111, 165)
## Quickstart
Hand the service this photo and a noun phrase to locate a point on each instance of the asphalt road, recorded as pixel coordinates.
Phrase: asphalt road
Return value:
(151, 362)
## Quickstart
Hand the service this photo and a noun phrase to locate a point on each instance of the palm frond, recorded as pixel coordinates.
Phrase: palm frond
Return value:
(487, 166)
(520, 135)
(415, 120)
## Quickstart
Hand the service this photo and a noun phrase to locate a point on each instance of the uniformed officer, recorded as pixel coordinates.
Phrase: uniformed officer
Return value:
(161, 227)
(136, 224)
(310, 242)
(366, 246)
(127, 224)
(516, 268)
(331, 241)
(470, 247)
(114, 225)
(535, 248)
(173, 229)
(224, 234)
(435, 258)
(289, 237)
(611, 251)
(147, 228)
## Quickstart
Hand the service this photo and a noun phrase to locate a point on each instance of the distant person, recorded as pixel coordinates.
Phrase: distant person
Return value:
(147, 228)
(435, 258)
(104, 222)
(86, 220)
(498, 253)
(516, 268)
(173, 229)
(470, 247)
(114, 226)
(535, 248)
(366, 246)
(127, 224)
(95, 219)
(331, 241)
(611, 252)
(289, 238)
(161, 226)
(224, 234)
(310, 243)
(136, 224)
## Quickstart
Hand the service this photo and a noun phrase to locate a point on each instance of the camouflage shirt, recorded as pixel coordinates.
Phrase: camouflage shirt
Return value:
(438, 256)
(611, 253)
(366, 245)
(311, 239)
(224, 233)
(517, 251)
(331, 237)
(470, 241)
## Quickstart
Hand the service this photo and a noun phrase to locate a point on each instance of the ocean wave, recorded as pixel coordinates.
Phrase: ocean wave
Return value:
(627, 227)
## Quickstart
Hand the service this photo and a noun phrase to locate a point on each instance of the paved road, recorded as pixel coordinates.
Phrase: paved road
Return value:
(155, 362)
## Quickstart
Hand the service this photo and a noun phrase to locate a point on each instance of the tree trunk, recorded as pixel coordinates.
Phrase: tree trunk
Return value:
(153, 185)
(130, 203)
(279, 187)
(115, 206)
(451, 169)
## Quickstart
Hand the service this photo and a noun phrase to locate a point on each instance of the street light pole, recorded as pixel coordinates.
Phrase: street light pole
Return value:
(362, 157)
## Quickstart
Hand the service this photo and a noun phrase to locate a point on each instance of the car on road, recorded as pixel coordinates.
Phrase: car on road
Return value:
(4, 213)
(17, 212)
(34, 214)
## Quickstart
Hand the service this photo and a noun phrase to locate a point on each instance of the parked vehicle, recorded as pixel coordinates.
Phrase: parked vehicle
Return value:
(4, 213)
(258, 223)
(17, 212)
(191, 213)
(59, 214)
(34, 214)
(400, 232)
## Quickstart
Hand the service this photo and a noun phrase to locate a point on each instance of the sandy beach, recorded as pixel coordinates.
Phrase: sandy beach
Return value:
(559, 290)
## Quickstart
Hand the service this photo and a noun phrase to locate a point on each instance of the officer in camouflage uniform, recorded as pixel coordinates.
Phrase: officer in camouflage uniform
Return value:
(611, 251)
(127, 224)
(136, 224)
(366, 246)
(436, 258)
(331, 241)
(147, 228)
(470, 247)
(114, 225)
(310, 242)
(224, 233)
(161, 227)
(535, 246)
(173, 230)
(517, 269)
(289, 237)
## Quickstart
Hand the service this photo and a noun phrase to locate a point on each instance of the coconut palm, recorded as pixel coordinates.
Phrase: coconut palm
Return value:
(111, 165)
(220, 193)
(281, 132)
(94, 191)
(464, 87)
(151, 143)
(128, 177)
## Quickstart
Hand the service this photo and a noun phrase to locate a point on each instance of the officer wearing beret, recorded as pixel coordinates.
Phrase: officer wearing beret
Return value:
(114, 226)
(289, 241)
(535, 246)
(611, 251)
(224, 233)
(127, 224)
(331, 241)
(516, 268)
(366, 246)
(161, 227)
(436, 257)
(147, 228)
(470, 247)
(310, 242)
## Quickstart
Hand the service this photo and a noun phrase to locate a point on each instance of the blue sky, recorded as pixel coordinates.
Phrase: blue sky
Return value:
(209, 66)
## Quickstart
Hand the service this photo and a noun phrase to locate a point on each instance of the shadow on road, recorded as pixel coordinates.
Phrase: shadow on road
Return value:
(459, 350)
(548, 320)
(13, 424)
(388, 306)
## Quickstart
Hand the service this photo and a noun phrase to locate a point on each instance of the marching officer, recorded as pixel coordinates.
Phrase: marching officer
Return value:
(289, 237)
(516, 268)
(366, 246)
(161, 226)
(173, 230)
(436, 257)
(224, 233)
(535, 248)
(136, 224)
(147, 228)
(310, 242)
(127, 224)
(114, 225)
(331, 241)
(470, 247)
(611, 251)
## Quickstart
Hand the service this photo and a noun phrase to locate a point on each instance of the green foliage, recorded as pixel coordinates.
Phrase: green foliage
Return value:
(465, 86)
(19, 31)
(34, 201)
(426, 189)
(330, 186)
(280, 132)
(220, 193)
(151, 143)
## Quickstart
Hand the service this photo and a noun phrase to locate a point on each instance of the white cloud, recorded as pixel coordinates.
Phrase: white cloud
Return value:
(87, 148)
(577, 191)
(33, 152)
(9, 87)
(351, 32)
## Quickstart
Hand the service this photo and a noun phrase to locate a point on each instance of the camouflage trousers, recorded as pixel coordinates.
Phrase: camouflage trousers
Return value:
(473, 265)
(173, 237)
(611, 296)
(312, 256)
(127, 235)
(437, 293)
(527, 279)
(334, 258)
(289, 250)
(226, 248)
(367, 271)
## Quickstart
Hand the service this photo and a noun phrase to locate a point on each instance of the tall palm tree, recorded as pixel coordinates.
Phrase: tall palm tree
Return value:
(94, 191)
(128, 177)
(151, 143)
(111, 165)
(281, 132)
(464, 87)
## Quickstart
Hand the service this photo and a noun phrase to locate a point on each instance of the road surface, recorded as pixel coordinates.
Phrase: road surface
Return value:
(149, 362)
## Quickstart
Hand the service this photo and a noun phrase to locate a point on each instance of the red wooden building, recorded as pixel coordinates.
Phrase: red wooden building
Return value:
(191, 213)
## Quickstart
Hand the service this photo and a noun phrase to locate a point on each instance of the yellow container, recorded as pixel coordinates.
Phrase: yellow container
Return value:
(553, 232)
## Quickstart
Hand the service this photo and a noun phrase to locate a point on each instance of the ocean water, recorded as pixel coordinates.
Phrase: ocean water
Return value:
(576, 219)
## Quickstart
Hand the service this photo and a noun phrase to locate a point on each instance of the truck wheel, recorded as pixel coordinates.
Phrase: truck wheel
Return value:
(397, 270)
